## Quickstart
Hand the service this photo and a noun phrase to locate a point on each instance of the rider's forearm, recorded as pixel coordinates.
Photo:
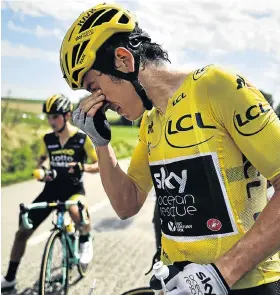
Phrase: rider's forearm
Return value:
(260, 242)
(41, 161)
(124, 195)
(91, 168)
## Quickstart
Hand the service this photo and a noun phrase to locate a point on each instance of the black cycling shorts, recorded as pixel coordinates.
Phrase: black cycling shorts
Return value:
(52, 193)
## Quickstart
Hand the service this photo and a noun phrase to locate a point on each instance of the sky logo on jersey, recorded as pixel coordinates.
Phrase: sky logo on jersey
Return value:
(163, 180)
(189, 193)
(252, 114)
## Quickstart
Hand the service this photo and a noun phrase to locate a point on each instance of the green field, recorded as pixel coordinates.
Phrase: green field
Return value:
(21, 132)
(34, 107)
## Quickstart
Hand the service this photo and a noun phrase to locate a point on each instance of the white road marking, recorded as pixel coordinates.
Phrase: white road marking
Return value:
(43, 236)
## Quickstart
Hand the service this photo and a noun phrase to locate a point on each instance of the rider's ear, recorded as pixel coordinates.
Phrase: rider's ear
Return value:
(124, 60)
(68, 116)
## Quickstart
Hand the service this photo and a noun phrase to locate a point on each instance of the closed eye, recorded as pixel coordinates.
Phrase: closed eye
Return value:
(90, 88)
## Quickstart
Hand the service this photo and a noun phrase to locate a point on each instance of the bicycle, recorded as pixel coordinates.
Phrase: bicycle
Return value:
(68, 241)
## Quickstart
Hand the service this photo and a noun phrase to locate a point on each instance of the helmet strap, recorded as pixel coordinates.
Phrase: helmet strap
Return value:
(131, 77)
(64, 125)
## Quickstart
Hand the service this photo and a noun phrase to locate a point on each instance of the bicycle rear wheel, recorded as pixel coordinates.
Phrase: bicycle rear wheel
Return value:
(54, 274)
(140, 291)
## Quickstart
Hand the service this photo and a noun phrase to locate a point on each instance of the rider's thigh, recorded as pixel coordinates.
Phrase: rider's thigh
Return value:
(73, 210)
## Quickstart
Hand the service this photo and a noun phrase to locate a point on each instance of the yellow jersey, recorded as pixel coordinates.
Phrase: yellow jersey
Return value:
(208, 158)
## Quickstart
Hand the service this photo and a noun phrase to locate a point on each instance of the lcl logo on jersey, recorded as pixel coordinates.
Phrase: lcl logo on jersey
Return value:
(186, 123)
(179, 98)
(198, 73)
(252, 113)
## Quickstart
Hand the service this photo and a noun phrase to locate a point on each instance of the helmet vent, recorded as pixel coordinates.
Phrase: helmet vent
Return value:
(124, 19)
(90, 20)
(74, 54)
(74, 86)
(66, 62)
(84, 45)
(76, 74)
(106, 17)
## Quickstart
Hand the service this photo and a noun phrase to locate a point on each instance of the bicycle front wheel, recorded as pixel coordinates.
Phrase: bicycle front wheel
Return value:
(54, 274)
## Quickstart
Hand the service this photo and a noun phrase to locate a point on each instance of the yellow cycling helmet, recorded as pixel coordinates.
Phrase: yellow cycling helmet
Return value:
(57, 104)
(86, 36)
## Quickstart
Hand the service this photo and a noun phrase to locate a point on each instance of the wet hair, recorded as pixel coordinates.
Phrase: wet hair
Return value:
(147, 51)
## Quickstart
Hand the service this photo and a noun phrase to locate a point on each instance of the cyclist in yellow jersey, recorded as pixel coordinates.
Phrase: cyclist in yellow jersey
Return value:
(207, 141)
(67, 150)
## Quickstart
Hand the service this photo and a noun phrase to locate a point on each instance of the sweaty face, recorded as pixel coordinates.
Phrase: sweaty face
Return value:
(56, 121)
(120, 94)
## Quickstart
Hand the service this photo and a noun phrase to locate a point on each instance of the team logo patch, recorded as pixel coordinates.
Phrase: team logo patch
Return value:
(244, 121)
(214, 224)
(183, 199)
(171, 226)
(200, 72)
(188, 123)
(241, 82)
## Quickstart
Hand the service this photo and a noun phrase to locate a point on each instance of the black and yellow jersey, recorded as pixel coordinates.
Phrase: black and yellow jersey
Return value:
(208, 158)
(78, 148)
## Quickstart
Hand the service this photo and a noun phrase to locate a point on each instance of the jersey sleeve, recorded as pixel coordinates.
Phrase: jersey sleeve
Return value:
(43, 148)
(90, 150)
(138, 169)
(249, 119)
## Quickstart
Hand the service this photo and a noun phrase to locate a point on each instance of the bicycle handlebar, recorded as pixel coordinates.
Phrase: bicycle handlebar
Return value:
(24, 210)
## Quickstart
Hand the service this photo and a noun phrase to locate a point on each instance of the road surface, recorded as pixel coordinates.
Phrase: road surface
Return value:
(123, 250)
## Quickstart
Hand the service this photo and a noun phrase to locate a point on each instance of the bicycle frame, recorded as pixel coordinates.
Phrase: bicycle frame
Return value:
(70, 241)
(70, 244)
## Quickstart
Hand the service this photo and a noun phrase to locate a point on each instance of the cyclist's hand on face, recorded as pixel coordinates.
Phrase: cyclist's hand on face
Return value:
(92, 103)
(90, 117)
